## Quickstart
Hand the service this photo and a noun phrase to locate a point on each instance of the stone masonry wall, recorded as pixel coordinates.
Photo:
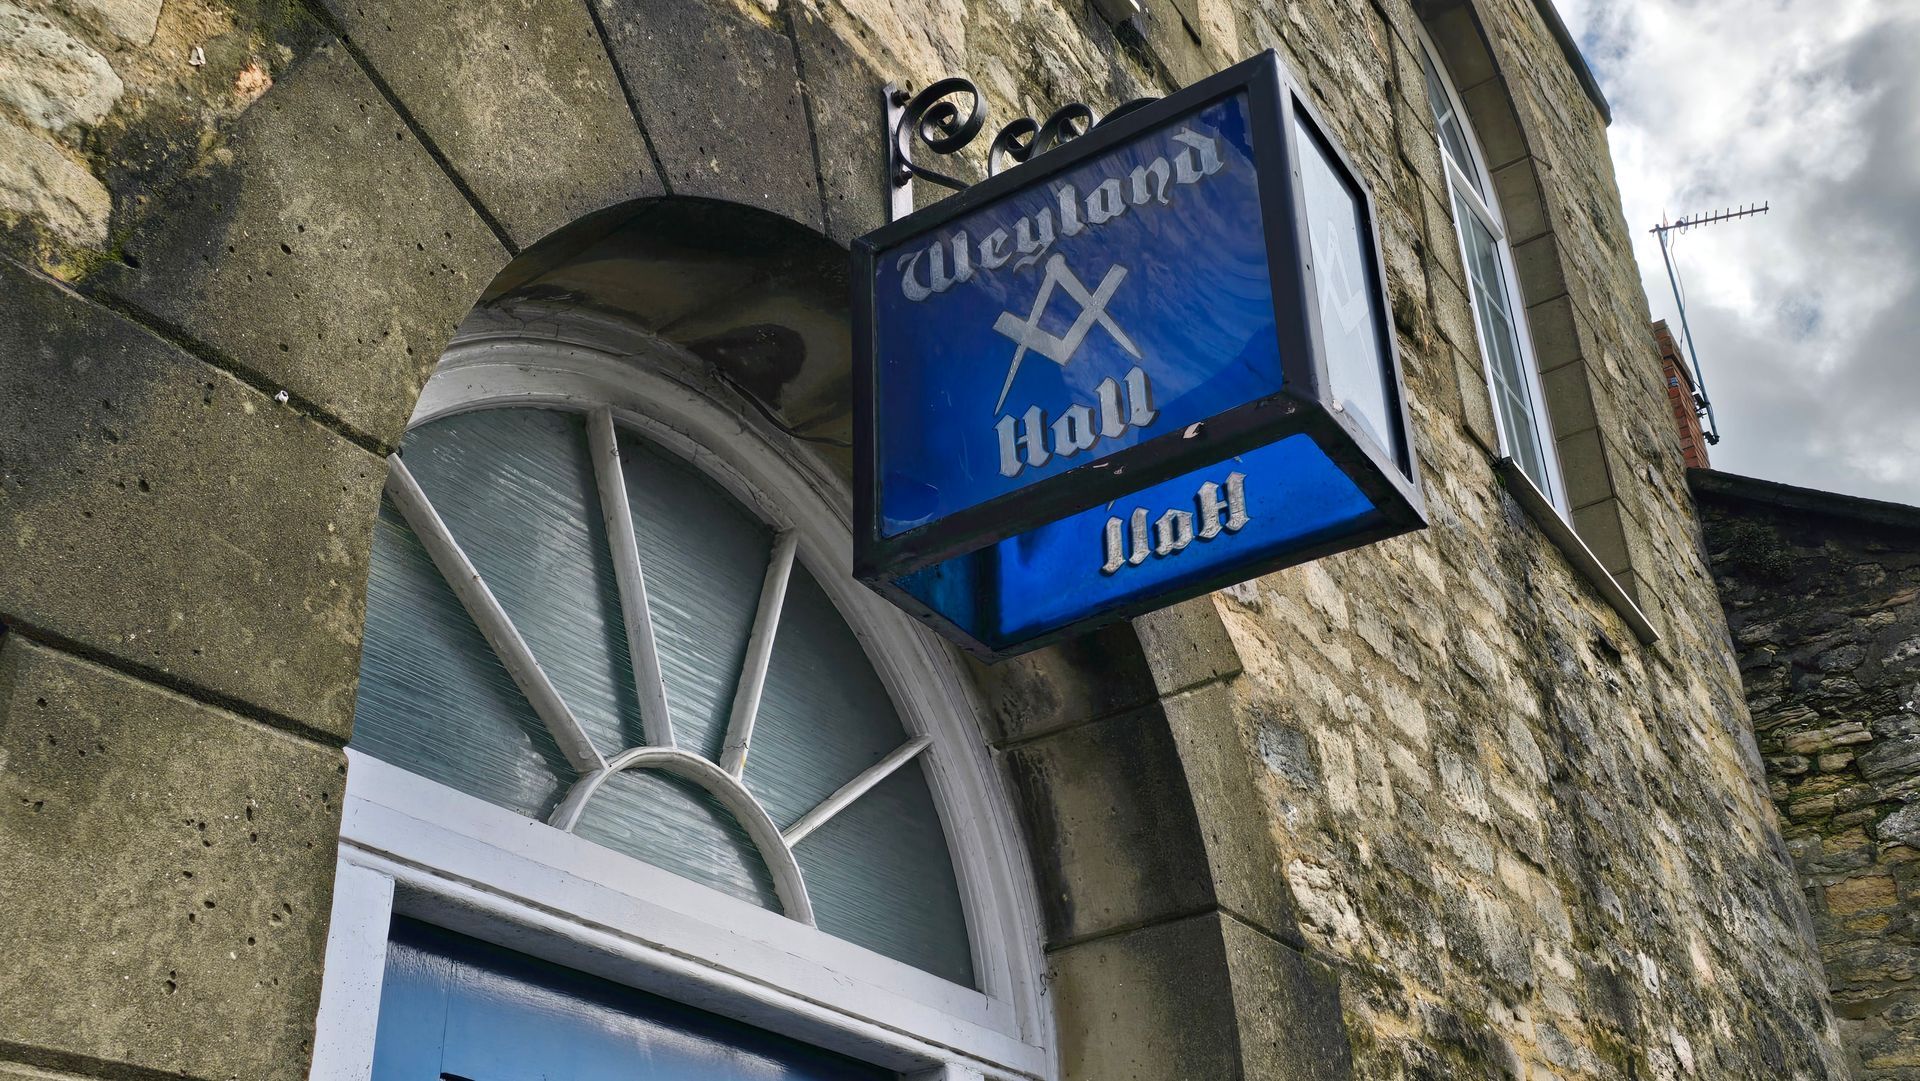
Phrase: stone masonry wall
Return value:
(1439, 776)
(1823, 598)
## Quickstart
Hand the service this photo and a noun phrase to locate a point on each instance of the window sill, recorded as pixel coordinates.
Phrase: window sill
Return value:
(1584, 562)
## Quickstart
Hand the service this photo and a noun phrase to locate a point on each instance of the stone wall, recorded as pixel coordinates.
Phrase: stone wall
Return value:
(1423, 810)
(1823, 598)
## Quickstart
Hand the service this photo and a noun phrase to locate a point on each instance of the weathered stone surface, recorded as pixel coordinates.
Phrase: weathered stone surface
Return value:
(1821, 592)
(56, 80)
(725, 115)
(132, 21)
(1109, 804)
(1187, 645)
(1242, 859)
(519, 95)
(119, 454)
(1096, 675)
(40, 183)
(1288, 1007)
(1152, 1004)
(13, 1072)
(166, 869)
(843, 96)
(327, 253)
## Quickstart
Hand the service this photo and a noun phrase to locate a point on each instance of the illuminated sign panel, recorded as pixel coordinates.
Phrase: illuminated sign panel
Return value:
(1140, 366)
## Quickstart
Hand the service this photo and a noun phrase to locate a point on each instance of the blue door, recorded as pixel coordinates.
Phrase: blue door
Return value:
(456, 1009)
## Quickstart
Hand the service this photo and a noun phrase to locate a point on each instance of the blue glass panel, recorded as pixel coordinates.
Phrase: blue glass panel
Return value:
(1349, 301)
(516, 488)
(452, 1006)
(677, 827)
(433, 697)
(824, 715)
(1149, 258)
(880, 875)
(1162, 538)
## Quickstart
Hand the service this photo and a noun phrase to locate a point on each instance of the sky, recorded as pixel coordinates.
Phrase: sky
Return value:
(1807, 319)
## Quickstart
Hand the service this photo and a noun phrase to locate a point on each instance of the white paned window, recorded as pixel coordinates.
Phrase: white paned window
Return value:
(1499, 315)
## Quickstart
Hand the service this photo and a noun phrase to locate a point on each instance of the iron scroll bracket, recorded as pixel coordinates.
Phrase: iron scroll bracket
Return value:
(934, 122)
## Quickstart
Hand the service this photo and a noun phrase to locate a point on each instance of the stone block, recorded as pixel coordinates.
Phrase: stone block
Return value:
(1537, 265)
(166, 869)
(843, 92)
(13, 1072)
(725, 115)
(41, 184)
(1243, 861)
(1600, 527)
(1113, 826)
(1094, 675)
(326, 251)
(1521, 208)
(1477, 400)
(161, 511)
(1147, 1005)
(1176, 42)
(535, 123)
(1494, 122)
(1556, 333)
(1569, 398)
(1860, 892)
(54, 79)
(1441, 235)
(1453, 313)
(1583, 463)
(1462, 48)
(132, 21)
(1288, 1008)
(1187, 644)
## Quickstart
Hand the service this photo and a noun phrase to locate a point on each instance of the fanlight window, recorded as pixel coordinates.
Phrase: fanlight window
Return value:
(568, 621)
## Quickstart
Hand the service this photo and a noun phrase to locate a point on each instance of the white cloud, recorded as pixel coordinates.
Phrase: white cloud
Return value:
(1807, 320)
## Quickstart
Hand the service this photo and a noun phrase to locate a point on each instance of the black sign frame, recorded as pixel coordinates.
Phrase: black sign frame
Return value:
(1389, 476)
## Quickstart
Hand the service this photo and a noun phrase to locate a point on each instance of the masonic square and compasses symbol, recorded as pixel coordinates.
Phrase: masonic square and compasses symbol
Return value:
(1026, 333)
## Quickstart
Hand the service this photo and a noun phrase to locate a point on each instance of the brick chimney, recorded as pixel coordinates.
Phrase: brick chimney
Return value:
(1693, 443)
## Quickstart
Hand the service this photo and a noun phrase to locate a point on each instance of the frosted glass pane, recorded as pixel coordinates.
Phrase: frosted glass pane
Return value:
(880, 876)
(433, 698)
(1342, 246)
(824, 715)
(516, 488)
(677, 827)
(704, 559)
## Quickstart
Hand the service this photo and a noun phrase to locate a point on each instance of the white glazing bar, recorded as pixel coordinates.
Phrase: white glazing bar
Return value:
(655, 717)
(788, 884)
(753, 673)
(484, 608)
(854, 789)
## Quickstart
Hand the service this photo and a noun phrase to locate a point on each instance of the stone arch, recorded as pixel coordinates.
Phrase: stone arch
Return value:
(1560, 312)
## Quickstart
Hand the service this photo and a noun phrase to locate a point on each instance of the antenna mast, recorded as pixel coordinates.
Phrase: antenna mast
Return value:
(1702, 405)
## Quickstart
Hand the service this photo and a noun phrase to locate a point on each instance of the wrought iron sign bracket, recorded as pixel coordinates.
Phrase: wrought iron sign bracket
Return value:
(933, 119)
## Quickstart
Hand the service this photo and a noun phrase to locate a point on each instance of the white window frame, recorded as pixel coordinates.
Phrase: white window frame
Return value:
(412, 847)
(1462, 189)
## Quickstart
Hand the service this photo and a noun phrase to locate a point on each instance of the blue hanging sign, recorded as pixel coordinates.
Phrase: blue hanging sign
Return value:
(1148, 363)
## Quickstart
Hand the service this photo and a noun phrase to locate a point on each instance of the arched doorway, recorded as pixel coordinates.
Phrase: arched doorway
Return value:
(622, 707)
